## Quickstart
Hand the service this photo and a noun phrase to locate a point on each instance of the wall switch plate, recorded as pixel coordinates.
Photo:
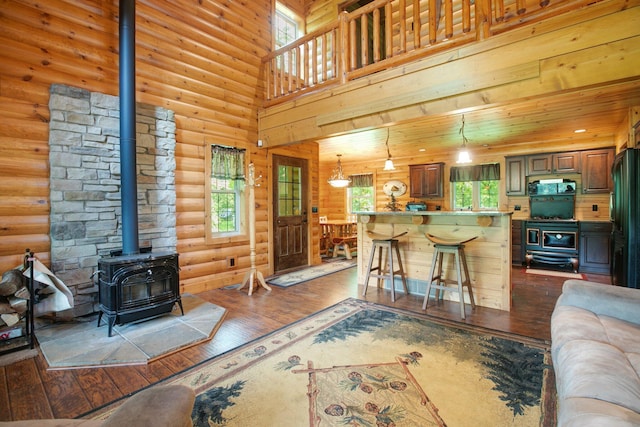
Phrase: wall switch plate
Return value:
(594, 208)
(517, 208)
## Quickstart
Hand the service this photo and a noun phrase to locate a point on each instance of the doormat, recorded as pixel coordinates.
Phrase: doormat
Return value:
(306, 274)
(555, 273)
(83, 344)
(359, 363)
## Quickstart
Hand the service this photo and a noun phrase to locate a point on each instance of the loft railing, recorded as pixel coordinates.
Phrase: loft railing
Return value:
(388, 33)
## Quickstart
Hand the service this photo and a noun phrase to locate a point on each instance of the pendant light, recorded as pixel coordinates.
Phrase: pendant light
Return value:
(388, 164)
(463, 154)
(337, 179)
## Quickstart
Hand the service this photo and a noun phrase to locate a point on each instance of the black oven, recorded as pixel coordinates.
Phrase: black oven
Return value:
(553, 242)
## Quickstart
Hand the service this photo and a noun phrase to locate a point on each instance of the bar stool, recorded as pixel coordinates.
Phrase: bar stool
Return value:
(386, 271)
(456, 248)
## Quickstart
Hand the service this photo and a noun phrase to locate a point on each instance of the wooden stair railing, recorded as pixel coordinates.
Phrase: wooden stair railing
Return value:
(389, 33)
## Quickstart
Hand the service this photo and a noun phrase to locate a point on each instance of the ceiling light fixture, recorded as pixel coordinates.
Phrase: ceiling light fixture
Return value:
(463, 154)
(337, 179)
(388, 164)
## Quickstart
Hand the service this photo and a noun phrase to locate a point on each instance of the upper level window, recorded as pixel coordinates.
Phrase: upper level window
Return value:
(360, 194)
(226, 186)
(475, 187)
(287, 26)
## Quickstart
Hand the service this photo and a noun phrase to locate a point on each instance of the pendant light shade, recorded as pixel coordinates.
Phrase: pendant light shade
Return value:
(463, 153)
(338, 179)
(388, 164)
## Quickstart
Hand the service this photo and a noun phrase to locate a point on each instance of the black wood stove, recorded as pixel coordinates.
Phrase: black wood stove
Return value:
(137, 287)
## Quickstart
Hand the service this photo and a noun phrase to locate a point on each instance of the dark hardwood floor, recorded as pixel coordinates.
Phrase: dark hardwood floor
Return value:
(29, 391)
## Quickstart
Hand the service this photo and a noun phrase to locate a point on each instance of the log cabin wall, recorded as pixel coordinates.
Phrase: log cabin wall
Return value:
(201, 60)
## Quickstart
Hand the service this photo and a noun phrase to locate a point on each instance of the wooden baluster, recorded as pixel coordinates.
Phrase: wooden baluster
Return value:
(376, 35)
(344, 47)
(268, 72)
(521, 5)
(434, 14)
(466, 16)
(483, 19)
(417, 25)
(388, 30)
(402, 16)
(448, 18)
(314, 60)
(324, 60)
(306, 64)
(364, 39)
(499, 6)
(290, 76)
(353, 58)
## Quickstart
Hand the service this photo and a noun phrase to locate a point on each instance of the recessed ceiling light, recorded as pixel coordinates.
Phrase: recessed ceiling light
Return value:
(579, 131)
(422, 149)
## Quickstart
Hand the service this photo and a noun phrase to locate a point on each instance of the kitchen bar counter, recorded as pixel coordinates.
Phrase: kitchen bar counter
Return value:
(488, 257)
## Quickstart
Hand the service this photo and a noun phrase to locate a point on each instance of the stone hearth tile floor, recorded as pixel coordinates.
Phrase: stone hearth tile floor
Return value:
(83, 344)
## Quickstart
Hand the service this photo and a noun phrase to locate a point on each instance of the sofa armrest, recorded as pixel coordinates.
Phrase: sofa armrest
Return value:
(607, 300)
(169, 406)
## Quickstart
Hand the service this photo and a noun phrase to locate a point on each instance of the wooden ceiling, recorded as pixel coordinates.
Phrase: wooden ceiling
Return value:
(515, 127)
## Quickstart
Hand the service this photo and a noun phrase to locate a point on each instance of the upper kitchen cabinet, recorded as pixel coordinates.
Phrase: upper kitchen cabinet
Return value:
(539, 164)
(566, 162)
(596, 170)
(542, 164)
(426, 180)
(516, 175)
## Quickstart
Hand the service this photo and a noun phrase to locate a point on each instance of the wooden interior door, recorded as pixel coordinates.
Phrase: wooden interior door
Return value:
(290, 212)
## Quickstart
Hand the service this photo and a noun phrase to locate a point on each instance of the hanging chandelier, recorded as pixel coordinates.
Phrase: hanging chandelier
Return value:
(338, 179)
(388, 164)
(463, 153)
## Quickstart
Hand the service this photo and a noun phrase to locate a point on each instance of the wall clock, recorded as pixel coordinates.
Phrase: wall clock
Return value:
(395, 188)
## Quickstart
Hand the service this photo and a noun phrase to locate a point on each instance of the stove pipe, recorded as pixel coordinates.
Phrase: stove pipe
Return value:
(128, 178)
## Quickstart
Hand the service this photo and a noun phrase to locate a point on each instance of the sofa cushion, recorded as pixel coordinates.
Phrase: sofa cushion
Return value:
(581, 412)
(591, 369)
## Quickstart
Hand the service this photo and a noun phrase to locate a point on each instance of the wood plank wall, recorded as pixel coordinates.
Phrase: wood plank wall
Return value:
(200, 59)
(333, 201)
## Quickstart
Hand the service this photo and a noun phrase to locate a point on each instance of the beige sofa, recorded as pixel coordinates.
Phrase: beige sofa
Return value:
(595, 346)
(161, 406)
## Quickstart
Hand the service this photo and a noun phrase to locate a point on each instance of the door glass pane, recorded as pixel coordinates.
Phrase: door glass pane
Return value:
(289, 190)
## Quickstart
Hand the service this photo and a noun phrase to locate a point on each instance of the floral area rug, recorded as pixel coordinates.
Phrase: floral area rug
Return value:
(362, 364)
(309, 273)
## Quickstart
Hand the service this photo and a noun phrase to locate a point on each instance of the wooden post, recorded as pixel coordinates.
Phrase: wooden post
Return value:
(343, 43)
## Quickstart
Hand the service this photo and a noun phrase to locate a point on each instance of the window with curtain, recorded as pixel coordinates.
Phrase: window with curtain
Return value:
(226, 188)
(475, 187)
(360, 193)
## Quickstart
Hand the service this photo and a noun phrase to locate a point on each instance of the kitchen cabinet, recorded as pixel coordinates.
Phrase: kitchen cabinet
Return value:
(517, 249)
(596, 170)
(595, 247)
(542, 164)
(516, 175)
(426, 180)
(566, 162)
(539, 164)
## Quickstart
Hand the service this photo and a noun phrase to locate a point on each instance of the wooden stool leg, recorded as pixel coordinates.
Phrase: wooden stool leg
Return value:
(366, 279)
(439, 291)
(380, 270)
(391, 272)
(430, 279)
(401, 270)
(459, 280)
(467, 278)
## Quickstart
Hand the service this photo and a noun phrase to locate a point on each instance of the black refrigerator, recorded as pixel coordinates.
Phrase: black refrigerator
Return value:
(625, 215)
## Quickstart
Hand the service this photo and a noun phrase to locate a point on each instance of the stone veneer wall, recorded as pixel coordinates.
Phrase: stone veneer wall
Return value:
(84, 157)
